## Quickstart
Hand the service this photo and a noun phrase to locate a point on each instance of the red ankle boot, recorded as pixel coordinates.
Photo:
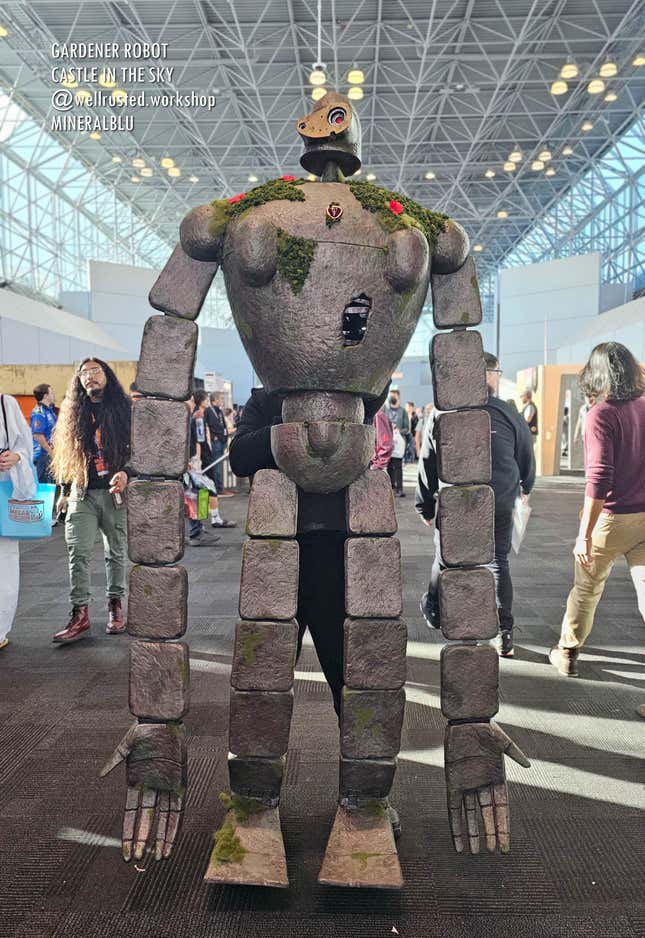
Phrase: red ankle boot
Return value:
(115, 625)
(77, 627)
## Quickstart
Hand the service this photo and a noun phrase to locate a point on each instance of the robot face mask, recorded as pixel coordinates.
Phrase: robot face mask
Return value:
(332, 134)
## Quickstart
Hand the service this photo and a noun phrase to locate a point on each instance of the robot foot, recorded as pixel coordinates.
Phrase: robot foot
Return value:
(361, 851)
(249, 852)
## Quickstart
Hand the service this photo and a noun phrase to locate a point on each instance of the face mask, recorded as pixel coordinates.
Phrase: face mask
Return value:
(393, 402)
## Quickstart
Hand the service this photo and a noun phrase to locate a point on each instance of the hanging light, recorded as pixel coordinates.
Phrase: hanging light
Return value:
(567, 151)
(355, 76)
(119, 95)
(430, 175)
(174, 171)
(117, 159)
(95, 135)
(167, 162)
(596, 86)
(544, 155)
(608, 70)
(193, 178)
(3, 32)
(145, 171)
(358, 172)
(370, 177)
(138, 162)
(252, 178)
(311, 177)
(134, 179)
(639, 61)
(478, 247)
(559, 86)
(489, 173)
(318, 93)
(317, 76)
(509, 166)
(355, 93)
(502, 213)
(611, 96)
(537, 165)
(82, 96)
(587, 126)
(515, 156)
(570, 70)
(69, 83)
(107, 80)
(550, 171)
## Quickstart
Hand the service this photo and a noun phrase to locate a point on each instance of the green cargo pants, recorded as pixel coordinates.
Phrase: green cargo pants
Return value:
(85, 517)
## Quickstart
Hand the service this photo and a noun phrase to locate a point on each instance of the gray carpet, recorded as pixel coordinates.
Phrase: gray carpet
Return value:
(578, 844)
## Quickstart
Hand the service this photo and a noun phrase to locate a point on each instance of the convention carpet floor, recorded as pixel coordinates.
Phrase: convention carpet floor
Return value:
(578, 844)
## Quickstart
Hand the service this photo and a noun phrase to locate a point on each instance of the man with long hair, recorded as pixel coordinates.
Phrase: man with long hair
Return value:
(612, 523)
(91, 448)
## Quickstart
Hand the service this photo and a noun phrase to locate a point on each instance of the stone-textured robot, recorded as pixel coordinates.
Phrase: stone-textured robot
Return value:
(326, 281)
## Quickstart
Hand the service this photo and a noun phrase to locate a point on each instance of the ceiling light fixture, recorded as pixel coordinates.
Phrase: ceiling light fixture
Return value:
(193, 178)
(167, 162)
(544, 155)
(355, 76)
(509, 166)
(515, 156)
(146, 171)
(82, 96)
(358, 172)
(119, 95)
(117, 159)
(430, 175)
(611, 96)
(3, 32)
(317, 76)
(174, 171)
(489, 173)
(537, 165)
(69, 83)
(318, 93)
(138, 162)
(570, 70)
(478, 247)
(370, 177)
(134, 179)
(311, 177)
(95, 135)
(567, 151)
(355, 93)
(252, 178)
(502, 214)
(559, 86)
(596, 86)
(608, 70)
(639, 61)
(587, 126)
(550, 171)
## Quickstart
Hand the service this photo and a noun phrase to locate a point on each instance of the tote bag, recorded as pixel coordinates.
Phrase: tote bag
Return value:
(31, 518)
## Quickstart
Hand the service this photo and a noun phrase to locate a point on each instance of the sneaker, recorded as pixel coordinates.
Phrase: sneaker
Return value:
(430, 610)
(202, 541)
(565, 660)
(504, 644)
(223, 524)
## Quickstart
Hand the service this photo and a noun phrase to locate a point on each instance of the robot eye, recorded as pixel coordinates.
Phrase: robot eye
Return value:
(336, 116)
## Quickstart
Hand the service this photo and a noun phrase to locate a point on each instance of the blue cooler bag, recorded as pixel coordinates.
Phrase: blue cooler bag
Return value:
(26, 519)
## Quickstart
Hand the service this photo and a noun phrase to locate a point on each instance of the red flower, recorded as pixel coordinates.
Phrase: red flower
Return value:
(288, 178)
(237, 198)
(395, 207)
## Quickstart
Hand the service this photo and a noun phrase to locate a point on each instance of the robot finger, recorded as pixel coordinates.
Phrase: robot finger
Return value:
(454, 817)
(145, 822)
(163, 810)
(470, 804)
(174, 819)
(485, 798)
(500, 801)
(129, 821)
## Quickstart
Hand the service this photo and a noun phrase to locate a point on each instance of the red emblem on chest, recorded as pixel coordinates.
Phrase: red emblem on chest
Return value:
(334, 211)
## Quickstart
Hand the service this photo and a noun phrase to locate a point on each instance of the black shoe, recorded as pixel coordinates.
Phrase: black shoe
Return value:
(430, 610)
(202, 541)
(504, 644)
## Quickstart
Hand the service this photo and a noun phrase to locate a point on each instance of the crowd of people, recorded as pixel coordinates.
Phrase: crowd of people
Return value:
(84, 448)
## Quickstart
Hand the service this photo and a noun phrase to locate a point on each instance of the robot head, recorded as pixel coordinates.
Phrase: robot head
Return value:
(331, 133)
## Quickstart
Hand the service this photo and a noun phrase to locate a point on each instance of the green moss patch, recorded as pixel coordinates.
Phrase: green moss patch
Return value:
(377, 200)
(295, 256)
(362, 857)
(228, 848)
(272, 191)
(251, 641)
(243, 807)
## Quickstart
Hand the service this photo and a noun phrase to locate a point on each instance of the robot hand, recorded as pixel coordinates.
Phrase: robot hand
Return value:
(474, 761)
(155, 755)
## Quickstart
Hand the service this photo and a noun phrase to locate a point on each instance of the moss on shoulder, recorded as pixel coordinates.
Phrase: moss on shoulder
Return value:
(412, 215)
(225, 210)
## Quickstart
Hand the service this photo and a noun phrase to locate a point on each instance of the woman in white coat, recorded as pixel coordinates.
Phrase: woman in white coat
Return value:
(16, 466)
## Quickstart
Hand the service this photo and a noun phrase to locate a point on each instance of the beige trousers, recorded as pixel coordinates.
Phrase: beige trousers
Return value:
(614, 536)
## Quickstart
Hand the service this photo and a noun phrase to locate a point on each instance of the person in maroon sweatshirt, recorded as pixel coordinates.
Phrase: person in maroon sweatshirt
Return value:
(612, 523)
